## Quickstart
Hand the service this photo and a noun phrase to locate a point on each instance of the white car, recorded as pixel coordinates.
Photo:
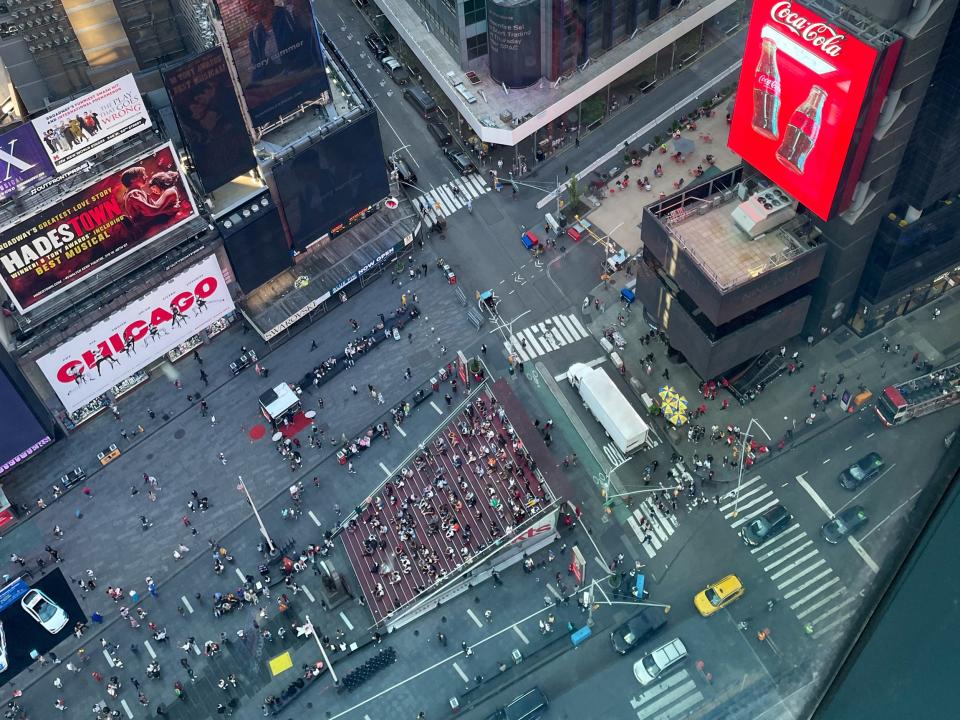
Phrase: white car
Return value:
(3, 649)
(654, 664)
(44, 610)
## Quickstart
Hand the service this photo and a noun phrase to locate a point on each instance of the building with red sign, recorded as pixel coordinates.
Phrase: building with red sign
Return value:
(828, 99)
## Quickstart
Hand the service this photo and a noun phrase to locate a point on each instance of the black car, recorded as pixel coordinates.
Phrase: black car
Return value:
(461, 161)
(766, 525)
(637, 630)
(844, 523)
(862, 471)
(377, 46)
(440, 134)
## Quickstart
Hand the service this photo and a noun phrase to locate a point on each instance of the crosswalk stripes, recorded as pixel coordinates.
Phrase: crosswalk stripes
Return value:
(814, 593)
(544, 337)
(614, 455)
(670, 697)
(471, 186)
(660, 526)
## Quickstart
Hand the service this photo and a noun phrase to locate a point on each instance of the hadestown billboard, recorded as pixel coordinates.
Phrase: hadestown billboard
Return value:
(90, 363)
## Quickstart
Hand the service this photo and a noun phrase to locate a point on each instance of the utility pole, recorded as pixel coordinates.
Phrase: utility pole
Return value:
(263, 528)
(323, 650)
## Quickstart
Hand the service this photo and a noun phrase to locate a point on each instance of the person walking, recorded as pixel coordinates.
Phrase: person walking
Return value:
(203, 378)
(350, 469)
(353, 389)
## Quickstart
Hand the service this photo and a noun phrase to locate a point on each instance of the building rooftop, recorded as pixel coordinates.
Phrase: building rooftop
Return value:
(505, 117)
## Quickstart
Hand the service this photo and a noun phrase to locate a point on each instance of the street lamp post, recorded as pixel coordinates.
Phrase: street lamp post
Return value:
(263, 528)
(323, 650)
(743, 448)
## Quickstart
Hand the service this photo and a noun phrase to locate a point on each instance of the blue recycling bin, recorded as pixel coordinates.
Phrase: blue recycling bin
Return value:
(581, 635)
(627, 294)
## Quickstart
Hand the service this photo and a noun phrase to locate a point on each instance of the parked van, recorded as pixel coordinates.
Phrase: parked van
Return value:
(439, 133)
(654, 664)
(529, 706)
(423, 103)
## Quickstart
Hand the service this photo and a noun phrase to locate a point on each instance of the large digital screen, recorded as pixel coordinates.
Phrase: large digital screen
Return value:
(23, 161)
(329, 182)
(92, 123)
(210, 119)
(88, 364)
(258, 251)
(275, 49)
(94, 228)
(22, 434)
(802, 87)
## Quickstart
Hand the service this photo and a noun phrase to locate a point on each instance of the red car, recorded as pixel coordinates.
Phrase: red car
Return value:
(578, 229)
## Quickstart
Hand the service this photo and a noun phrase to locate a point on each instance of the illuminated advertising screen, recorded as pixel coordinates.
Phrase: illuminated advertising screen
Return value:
(92, 123)
(22, 435)
(275, 48)
(328, 183)
(23, 161)
(94, 228)
(89, 364)
(802, 86)
(210, 119)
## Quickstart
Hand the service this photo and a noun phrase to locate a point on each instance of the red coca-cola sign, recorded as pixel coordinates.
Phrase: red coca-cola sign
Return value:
(802, 88)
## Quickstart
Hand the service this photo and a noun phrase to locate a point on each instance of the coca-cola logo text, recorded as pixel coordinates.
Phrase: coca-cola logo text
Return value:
(815, 32)
(136, 330)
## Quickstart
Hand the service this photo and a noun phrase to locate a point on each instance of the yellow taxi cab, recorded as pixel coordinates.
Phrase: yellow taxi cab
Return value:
(718, 595)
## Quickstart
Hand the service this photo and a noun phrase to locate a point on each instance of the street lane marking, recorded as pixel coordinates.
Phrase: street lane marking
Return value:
(403, 433)
(473, 617)
(814, 495)
(461, 673)
(153, 653)
(870, 435)
(812, 581)
(108, 657)
(385, 469)
(825, 461)
(796, 563)
(434, 406)
(742, 506)
(787, 556)
(519, 632)
(823, 601)
(314, 518)
(858, 548)
(847, 447)
(892, 513)
(186, 604)
(554, 591)
(240, 574)
(805, 571)
(126, 708)
(346, 621)
(309, 594)
(782, 545)
(838, 621)
(835, 609)
(196, 649)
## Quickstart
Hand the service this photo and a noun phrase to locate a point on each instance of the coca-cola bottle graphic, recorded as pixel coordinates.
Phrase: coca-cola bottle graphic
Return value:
(766, 91)
(802, 130)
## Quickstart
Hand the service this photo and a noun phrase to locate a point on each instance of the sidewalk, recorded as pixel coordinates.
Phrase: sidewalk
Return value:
(840, 362)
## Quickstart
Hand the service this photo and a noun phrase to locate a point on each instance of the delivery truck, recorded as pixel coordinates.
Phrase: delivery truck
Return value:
(609, 406)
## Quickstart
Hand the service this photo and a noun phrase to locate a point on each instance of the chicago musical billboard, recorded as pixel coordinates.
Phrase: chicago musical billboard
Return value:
(89, 364)
(802, 87)
(23, 161)
(275, 48)
(94, 228)
(210, 119)
(92, 123)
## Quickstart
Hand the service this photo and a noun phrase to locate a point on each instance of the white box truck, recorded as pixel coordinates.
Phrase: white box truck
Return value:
(608, 405)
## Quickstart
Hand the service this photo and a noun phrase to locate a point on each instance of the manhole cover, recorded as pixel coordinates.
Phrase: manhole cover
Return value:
(179, 434)
(150, 456)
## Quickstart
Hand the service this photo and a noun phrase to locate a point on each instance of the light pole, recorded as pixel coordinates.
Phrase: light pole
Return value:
(323, 651)
(743, 448)
(263, 528)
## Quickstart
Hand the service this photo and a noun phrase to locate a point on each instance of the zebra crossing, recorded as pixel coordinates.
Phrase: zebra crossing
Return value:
(673, 696)
(471, 186)
(659, 526)
(544, 337)
(813, 591)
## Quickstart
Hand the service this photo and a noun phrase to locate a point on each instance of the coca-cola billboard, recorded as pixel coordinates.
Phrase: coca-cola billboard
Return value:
(802, 88)
(88, 364)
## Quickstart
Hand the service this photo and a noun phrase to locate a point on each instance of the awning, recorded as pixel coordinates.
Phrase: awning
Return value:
(279, 401)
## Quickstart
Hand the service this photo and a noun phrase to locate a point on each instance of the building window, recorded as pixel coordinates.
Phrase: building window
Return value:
(450, 7)
(474, 11)
(476, 46)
